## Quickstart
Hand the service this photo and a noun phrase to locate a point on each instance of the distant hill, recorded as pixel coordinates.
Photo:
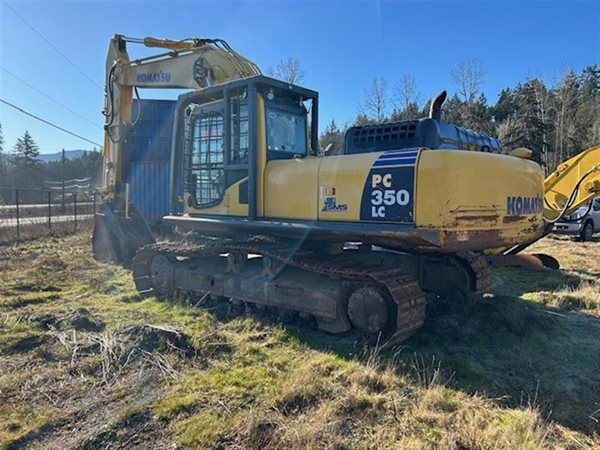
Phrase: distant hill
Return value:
(69, 154)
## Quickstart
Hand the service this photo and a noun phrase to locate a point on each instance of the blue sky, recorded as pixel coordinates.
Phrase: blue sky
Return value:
(341, 45)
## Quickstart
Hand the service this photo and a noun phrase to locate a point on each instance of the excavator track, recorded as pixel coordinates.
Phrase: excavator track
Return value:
(481, 272)
(372, 298)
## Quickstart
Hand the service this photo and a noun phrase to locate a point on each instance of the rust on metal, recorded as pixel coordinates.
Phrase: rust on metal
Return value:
(512, 219)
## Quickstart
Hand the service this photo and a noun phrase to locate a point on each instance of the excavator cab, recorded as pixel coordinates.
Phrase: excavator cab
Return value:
(225, 136)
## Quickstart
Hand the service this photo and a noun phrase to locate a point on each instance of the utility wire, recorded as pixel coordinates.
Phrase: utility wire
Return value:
(51, 45)
(48, 97)
(48, 123)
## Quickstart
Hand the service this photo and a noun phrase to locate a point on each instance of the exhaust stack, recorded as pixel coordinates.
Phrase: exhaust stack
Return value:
(435, 110)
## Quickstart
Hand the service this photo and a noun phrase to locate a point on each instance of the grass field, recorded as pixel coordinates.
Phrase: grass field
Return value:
(86, 363)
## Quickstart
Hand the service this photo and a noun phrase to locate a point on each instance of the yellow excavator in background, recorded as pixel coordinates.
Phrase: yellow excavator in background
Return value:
(347, 241)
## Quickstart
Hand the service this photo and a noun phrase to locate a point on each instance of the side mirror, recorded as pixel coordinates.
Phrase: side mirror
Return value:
(326, 149)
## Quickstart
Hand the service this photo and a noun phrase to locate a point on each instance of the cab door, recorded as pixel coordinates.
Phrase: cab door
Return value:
(291, 175)
(291, 187)
(217, 160)
(205, 180)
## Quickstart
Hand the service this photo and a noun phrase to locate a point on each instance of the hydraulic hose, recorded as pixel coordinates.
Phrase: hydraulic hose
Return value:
(571, 199)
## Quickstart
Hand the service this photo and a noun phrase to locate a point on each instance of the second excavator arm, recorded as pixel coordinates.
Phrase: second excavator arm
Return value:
(573, 184)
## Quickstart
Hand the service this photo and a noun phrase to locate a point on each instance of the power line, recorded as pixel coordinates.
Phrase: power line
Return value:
(50, 44)
(49, 123)
(48, 97)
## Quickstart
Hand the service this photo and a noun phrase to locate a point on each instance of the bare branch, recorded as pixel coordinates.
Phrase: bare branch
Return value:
(405, 92)
(374, 105)
(288, 70)
(468, 77)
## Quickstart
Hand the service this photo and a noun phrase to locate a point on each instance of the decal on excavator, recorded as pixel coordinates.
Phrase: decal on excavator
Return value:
(515, 206)
(153, 77)
(389, 188)
(331, 205)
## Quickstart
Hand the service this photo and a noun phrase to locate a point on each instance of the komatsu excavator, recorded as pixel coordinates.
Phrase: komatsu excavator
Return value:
(349, 241)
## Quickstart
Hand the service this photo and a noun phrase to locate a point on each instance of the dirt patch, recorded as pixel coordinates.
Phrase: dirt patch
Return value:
(106, 393)
(43, 320)
(20, 302)
(139, 431)
(25, 344)
(94, 420)
(51, 262)
(150, 338)
(31, 287)
(81, 320)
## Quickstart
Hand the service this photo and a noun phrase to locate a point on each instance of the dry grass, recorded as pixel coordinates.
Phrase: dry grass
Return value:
(581, 262)
(28, 230)
(584, 297)
(80, 351)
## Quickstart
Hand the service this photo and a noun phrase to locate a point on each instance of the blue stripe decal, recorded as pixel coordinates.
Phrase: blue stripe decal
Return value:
(400, 153)
(403, 150)
(391, 162)
(397, 156)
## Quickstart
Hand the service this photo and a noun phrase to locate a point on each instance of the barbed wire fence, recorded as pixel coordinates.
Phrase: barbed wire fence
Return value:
(61, 208)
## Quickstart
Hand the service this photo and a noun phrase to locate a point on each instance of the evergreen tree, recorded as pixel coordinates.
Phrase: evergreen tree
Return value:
(26, 151)
(333, 135)
(362, 119)
(587, 117)
(504, 107)
(452, 111)
(409, 112)
(26, 170)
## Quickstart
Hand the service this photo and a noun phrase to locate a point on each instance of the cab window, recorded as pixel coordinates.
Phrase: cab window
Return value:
(286, 133)
(206, 175)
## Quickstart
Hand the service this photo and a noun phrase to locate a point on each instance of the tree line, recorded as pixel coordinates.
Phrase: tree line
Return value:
(22, 168)
(555, 121)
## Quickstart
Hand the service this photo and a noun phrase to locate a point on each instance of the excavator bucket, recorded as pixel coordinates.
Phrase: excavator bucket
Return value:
(116, 238)
(533, 261)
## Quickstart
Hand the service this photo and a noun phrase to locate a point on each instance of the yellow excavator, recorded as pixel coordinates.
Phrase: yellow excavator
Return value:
(346, 241)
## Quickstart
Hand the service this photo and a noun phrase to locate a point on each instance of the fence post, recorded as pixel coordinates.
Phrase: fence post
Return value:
(94, 204)
(75, 208)
(17, 206)
(63, 180)
(50, 210)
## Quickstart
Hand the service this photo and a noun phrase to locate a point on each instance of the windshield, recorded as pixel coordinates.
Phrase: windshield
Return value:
(286, 131)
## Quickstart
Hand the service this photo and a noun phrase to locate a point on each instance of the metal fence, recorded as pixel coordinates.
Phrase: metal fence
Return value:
(28, 213)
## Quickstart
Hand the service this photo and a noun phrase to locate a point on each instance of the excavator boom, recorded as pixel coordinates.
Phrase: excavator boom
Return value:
(193, 64)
